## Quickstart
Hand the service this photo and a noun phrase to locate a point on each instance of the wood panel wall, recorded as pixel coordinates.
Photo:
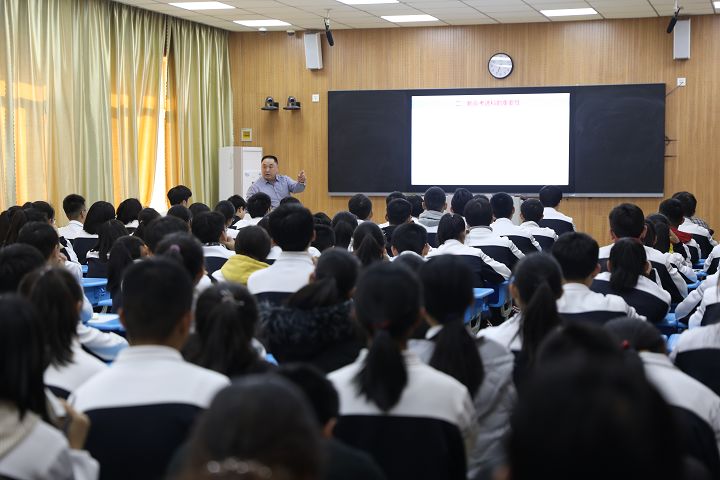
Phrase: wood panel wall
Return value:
(545, 54)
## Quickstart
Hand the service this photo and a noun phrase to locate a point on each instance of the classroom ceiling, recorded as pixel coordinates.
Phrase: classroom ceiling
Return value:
(308, 14)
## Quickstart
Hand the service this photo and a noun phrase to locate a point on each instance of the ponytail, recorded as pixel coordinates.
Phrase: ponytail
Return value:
(369, 243)
(627, 263)
(539, 317)
(383, 376)
(123, 253)
(457, 355)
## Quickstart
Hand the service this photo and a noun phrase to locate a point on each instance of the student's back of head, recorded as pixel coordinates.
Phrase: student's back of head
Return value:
(157, 295)
(160, 227)
(181, 212)
(227, 210)
(673, 210)
(322, 218)
(360, 206)
(108, 234)
(258, 205)
(459, 199)
(532, 210)
(344, 224)
(290, 200)
(238, 202)
(123, 253)
(186, 250)
(387, 304)
(14, 219)
(627, 220)
(550, 196)
(197, 208)
(42, 236)
(435, 199)
(128, 210)
(451, 227)
(448, 288)
(74, 206)
(577, 253)
(324, 237)
(410, 236)
(99, 213)
(368, 243)
(636, 334)
(33, 214)
(45, 208)
(208, 227)
(292, 227)
(399, 211)
(416, 201)
(179, 194)
(394, 195)
(16, 261)
(333, 281)
(502, 205)
(254, 242)
(319, 391)
(660, 231)
(145, 216)
(688, 202)
(627, 262)
(478, 212)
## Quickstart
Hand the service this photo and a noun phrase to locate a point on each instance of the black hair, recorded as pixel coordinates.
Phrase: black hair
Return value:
(208, 227)
(33, 214)
(368, 243)
(322, 218)
(16, 219)
(532, 210)
(502, 205)
(157, 229)
(128, 210)
(254, 242)
(416, 201)
(186, 250)
(394, 195)
(399, 211)
(577, 253)
(688, 202)
(636, 334)
(451, 227)
(264, 424)
(157, 294)
(387, 303)
(478, 212)
(178, 194)
(409, 236)
(238, 201)
(538, 280)
(411, 262)
(40, 235)
(264, 223)
(258, 205)
(225, 319)
(550, 196)
(57, 297)
(145, 216)
(108, 234)
(336, 273)
(16, 261)
(324, 237)
(272, 157)
(459, 199)
(434, 199)
(344, 224)
(673, 210)
(197, 208)
(627, 262)
(124, 252)
(73, 205)
(578, 342)
(290, 200)
(292, 227)
(661, 226)
(99, 213)
(360, 205)
(181, 212)
(317, 389)
(46, 208)
(22, 356)
(627, 220)
(227, 210)
(448, 287)
(650, 234)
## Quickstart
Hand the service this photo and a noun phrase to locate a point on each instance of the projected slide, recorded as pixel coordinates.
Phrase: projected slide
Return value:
(518, 139)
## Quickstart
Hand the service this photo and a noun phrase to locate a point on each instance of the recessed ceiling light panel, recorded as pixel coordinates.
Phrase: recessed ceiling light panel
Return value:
(568, 12)
(262, 23)
(202, 6)
(409, 18)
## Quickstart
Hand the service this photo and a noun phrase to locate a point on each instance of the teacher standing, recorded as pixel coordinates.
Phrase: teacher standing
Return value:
(276, 186)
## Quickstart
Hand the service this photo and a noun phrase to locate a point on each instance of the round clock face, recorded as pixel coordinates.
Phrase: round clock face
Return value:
(500, 65)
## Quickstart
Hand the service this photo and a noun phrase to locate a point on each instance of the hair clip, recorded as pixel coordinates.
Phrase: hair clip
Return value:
(240, 467)
(228, 297)
(174, 248)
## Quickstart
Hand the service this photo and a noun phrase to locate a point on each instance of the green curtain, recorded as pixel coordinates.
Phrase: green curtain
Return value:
(199, 114)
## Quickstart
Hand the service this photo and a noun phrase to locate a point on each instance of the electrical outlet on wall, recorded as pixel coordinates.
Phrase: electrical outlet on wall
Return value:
(682, 82)
(315, 97)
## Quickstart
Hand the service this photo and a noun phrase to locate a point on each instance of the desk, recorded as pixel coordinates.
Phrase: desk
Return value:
(95, 290)
(106, 322)
(482, 295)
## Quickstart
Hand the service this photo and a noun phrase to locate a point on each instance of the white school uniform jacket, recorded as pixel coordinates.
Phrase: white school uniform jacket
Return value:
(694, 229)
(73, 230)
(142, 409)
(579, 303)
(246, 221)
(690, 304)
(483, 266)
(557, 221)
(217, 251)
(543, 235)
(63, 380)
(712, 261)
(493, 245)
(708, 312)
(288, 274)
(647, 297)
(697, 353)
(518, 235)
(506, 334)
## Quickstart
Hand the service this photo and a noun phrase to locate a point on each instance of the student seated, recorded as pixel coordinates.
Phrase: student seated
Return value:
(227, 210)
(361, 206)
(503, 210)
(479, 215)
(550, 197)
(410, 417)
(689, 203)
(186, 250)
(697, 353)
(209, 228)
(181, 212)
(75, 211)
(65, 245)
(58, 300)
(252, 246)
(179, 195)
(292, 229)
(342, 462)
(683, 242)
(344, 225)
(258, 206)
(16, 261)
(484, 366)
(324, 237)
(127, 213)
(531, 212)
(98, 256)
(416, 201)
(628, 221)
(459, 199)
(434, 203)
(97, 215)
(699, 230)
(198, 208)
(410, 239)
(124, 253)
(143, 406)
(240, 207)
(145, 216)
(389, 198)
(577, 254)
(666, 241)
(451, 236)
(32, 447)
(398, 213)
(369, 244)
(707, 311)
(627, 278)
(162, 227)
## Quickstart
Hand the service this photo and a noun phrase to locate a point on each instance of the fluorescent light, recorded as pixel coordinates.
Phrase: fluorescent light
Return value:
(717, 5)
(202, 5)
(409, 18)
(568, 12)
(262, 29)
(262, 23)
(366, 2)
